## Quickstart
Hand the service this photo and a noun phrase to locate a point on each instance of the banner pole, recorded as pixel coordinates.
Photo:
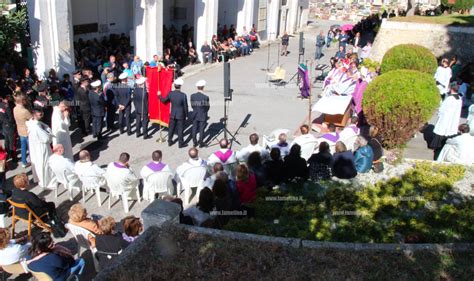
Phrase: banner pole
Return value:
(160, 137)
(310, 121)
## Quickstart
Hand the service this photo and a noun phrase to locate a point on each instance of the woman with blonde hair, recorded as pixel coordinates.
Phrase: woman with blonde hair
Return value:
(110, 243)
(78, 217)
(343, 165)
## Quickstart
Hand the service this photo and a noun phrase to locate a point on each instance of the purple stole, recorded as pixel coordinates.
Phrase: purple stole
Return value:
(355, 129)
(359, 94)
(119, 165)
(331, 138)
(155, 167)
(223, 156)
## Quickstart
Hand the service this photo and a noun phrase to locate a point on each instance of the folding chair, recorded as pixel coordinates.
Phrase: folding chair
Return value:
(33, 218)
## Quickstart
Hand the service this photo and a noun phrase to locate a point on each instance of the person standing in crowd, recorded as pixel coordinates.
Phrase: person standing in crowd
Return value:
(343, 39)
(179, 112)
(7, 121)
(443, 77)
(40, 138)
(60, 127)
(320, 42)
(447, 124)
(42, 102)
(82, 98)
(285, 41)
(140, 101)
(109, 97)
(96, 99)
(200, 105)
(123, 96)
(22, 114)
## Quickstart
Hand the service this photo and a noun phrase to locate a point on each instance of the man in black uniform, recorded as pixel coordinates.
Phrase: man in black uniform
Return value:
(179, 111)
(96, 99)
(200, 105)
(140, 101)
(82, 97)
(109, 96)
(42, 102)
(8, 126)
(123, 97)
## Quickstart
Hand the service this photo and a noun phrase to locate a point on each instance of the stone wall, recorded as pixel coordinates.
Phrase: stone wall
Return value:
(442, 40)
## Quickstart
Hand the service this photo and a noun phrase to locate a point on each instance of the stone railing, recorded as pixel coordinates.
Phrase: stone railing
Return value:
(442, 40)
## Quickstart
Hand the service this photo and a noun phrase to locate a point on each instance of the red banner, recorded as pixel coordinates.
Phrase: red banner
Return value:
(159, 80)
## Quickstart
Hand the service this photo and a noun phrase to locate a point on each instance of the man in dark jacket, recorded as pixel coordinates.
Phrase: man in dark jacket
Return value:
(200, 105)
(179, 111)
(140, 101)
(123, 97)
(82, 97)
(97, 102)
(8, 126)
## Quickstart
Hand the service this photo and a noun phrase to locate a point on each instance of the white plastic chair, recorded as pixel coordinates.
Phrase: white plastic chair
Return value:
(68, 179)
(81, 235)
(92, 183)
(116, 190)
(272, 138)
(307, 149)
(159, 182)
(192, 178)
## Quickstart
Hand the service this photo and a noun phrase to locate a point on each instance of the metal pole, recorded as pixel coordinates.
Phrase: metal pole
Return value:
(160, 137)
(310, 120)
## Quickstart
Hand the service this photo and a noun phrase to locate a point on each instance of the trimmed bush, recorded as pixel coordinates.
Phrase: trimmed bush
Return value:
(398, 103)
(409, 56)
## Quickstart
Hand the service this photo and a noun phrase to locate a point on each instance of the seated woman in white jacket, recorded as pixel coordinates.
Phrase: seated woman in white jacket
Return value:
(460, 149)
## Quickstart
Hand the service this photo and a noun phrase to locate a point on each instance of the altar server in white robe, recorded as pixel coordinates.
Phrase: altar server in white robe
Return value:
(39, 137)
(60, 127)
(243, 154)
(443, 77)
(449, 115)
(460, 149)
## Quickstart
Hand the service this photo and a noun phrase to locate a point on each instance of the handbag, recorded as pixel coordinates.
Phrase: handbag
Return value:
(253, 38)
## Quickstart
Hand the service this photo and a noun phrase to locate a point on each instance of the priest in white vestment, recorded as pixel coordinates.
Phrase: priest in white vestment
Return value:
(193, 161)
(120, 178)
(155, 165)
(90, 174)
(39, 137)
(60, 127)
(304, 138)
(243, 154)
(58, 163)
(460, 149)
(224, 155)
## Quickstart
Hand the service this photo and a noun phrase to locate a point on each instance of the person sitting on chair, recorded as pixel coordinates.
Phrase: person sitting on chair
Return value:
(23, 196)
(54, 260)
(155, 165)
(282, 145)
(305, 137)
(121, 171)
(89, 173)
(193, 161)
(110, 244)
(244, 153)
(132, 227)
(57, 161)
(224, 155)
(12, 250)
(78, 217)
(332, 137)
(294, 166)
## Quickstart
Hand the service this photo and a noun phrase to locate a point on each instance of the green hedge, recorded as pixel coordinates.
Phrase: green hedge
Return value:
(398, 103)
(409, 56)
(415, 208)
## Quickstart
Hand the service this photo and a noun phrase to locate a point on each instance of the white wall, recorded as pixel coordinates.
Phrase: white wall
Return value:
(113, 16)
